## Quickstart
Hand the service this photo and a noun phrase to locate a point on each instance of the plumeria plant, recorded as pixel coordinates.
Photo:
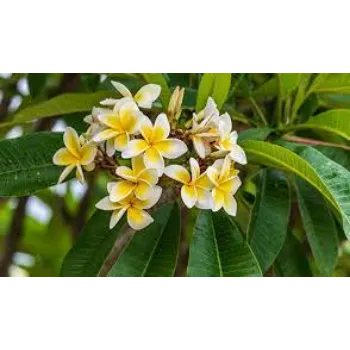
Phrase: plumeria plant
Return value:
(199, 156)
(189, 174)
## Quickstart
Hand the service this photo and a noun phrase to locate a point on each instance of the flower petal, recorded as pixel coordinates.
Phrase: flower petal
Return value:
(143, 190)
(204, 199)
(149, 176)
(178, 173)
(171, 148)
(151, 200)
(121, 190)
(161, 128)
(213, 174)
(138, 218)
(124, 91)
(129, 119)
(88, 154)
(126, 173)
(195, 170)
(230, 204)
(79, 174)
(210, 108)
(137, 165)
(199, 146)
(111, 120)
(147, 95)
(106, 204)
(153, 159)
(106, 134)
(108, 102)
(110, 150)
(116, 216)
(238, 155)
(110, 186)
(72, 141)
(189, 195)
(231, 185)
(204, 182)
(65, 173)
(64, 157)
(89, 167)
(134, 148)
(226, 169)
(218, 199)
(146, 129)
(121, 142)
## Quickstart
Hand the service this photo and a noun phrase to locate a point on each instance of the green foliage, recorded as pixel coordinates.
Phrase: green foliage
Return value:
(26, 163)
(219, 250)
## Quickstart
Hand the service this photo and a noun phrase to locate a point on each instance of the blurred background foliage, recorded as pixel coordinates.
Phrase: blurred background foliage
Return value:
(37, 231)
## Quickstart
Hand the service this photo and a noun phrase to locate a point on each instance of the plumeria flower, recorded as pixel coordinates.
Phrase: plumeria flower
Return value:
(196, 187)
(76, 154)
(144, 97)
(119, 123)
(226, 183)
(135, 208)
(138, 180)
(94, 122)
(155, 144)
(204, 130)
(228, 140)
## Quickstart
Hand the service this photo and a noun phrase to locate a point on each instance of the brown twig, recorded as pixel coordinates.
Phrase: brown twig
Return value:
(13, 236)
(126, 235)
(312, 142)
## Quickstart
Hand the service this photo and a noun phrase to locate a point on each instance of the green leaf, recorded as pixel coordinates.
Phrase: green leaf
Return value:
(331, 83)
(334, 100)
(336, 121)
(159, 79)
(215, 85)
(289, 82)
(335, 178)
(36, 83)
(26, 163)
(292, 261)
(221, 88)
(204, 90)
(259, 134)
(219, 250)
(275, 156)
(60, 105)
(270, 216)
(319, 225)
(87, 256)
(338, 155)
(152, 251)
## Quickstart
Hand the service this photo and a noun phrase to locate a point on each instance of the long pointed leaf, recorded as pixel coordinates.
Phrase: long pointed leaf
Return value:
(219, 250)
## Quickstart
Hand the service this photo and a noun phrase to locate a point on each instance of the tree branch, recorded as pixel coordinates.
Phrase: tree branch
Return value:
(312, 142)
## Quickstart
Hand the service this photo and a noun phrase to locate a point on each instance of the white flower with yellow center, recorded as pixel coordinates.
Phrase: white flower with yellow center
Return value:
(135, 208)
(144, 97)
(138, 180)
(155, 144)
(226, 183)
(228, 140)
(119, 123)
(196, 186)
(76, 154)
(204, 129)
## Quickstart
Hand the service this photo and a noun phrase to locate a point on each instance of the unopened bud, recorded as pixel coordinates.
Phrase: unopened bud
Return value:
(218, 154)
(175, 104)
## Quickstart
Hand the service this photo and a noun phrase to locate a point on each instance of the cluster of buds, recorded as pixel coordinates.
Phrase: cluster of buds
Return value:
(200, 157)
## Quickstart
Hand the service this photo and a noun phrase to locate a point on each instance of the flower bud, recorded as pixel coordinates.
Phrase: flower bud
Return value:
(175, 104)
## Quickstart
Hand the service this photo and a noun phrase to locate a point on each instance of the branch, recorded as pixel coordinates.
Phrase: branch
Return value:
(13, 236)
(126, 235)
(312, 142)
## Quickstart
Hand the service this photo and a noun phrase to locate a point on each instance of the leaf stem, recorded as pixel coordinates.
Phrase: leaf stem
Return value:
(258, 110)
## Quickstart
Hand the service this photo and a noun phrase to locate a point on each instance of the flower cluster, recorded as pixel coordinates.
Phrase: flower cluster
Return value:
(199, 157)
